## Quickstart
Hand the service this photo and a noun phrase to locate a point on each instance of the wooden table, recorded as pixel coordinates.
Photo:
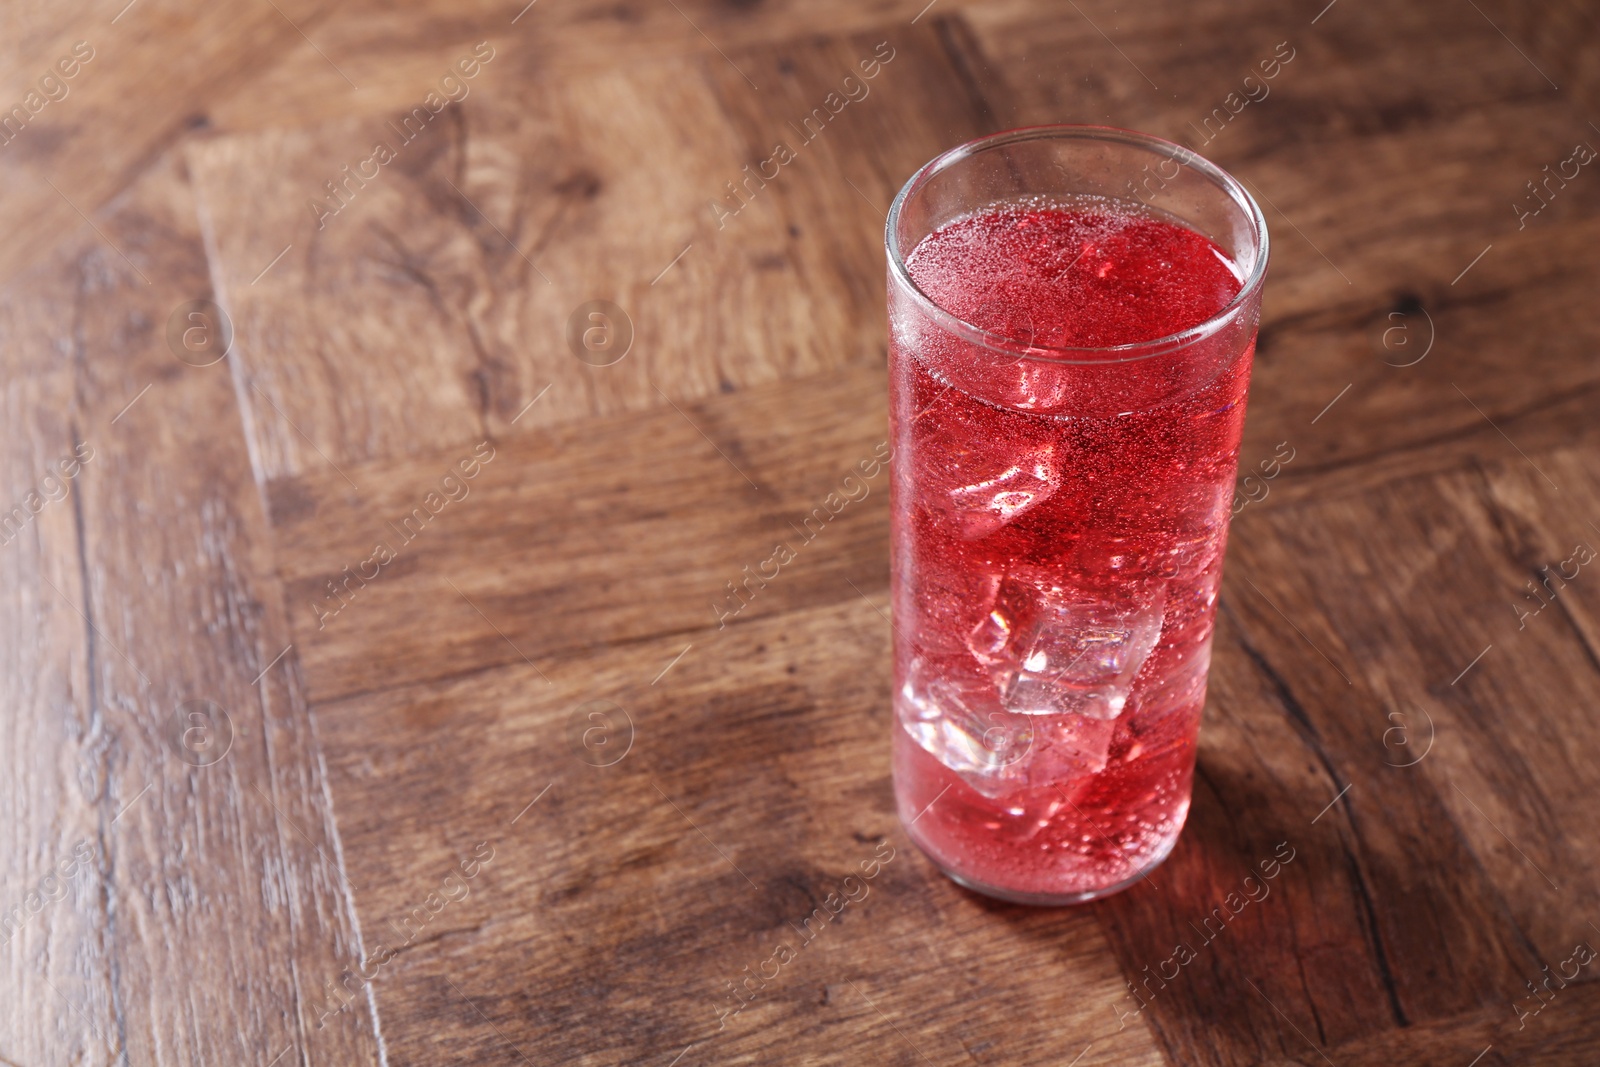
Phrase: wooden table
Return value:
(365, 698)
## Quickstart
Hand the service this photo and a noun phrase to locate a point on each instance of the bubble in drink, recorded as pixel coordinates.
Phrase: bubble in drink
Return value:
(1059, 526)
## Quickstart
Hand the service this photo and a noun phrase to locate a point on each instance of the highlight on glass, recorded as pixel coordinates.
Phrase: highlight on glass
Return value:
(1072, 318)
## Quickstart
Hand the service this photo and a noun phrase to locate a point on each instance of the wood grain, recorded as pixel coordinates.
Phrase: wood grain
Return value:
(1413, 951)
(588, 549)
(625, 178)
(148, 584)
(154, 68)
(532, 791)
(707, 844)
(1386, 179)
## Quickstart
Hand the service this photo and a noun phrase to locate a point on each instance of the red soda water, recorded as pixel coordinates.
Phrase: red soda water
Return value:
(1059, 526)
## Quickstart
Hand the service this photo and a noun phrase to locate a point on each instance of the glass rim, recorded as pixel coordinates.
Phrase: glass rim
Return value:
(1015, 347)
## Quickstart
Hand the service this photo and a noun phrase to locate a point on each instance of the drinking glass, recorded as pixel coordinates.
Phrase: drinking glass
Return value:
(1060, 510)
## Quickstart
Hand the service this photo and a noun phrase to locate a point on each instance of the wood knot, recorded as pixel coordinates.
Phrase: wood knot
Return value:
(583, 184)
(1407, 304)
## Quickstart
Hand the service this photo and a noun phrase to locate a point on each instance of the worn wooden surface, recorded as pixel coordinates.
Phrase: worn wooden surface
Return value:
(514, 796)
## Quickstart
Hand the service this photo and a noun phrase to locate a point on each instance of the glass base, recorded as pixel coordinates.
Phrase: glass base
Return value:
(1049, 900)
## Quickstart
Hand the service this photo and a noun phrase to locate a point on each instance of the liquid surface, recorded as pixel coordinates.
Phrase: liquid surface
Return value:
(1073, 277)
(1055, 575)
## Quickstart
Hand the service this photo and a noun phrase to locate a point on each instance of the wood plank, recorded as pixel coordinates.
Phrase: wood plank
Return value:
(693, 854)
(575, 537)
(394, 54)
(213, 907)
(56, 977)
(1210, 924)
(1467, 121)
(1411, 409)
(1488, 800)
(1345, 149)
(1494, 1038)
(1544, 507)
(449, 285)
(1343, 76)
(126, 103)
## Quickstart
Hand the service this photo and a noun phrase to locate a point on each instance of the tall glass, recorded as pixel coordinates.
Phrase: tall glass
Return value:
(1061, 505)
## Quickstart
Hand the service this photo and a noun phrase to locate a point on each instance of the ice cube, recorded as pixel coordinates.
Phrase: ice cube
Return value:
(982, 505)
(1055, 650)
(951, 708)
(1070, 746)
